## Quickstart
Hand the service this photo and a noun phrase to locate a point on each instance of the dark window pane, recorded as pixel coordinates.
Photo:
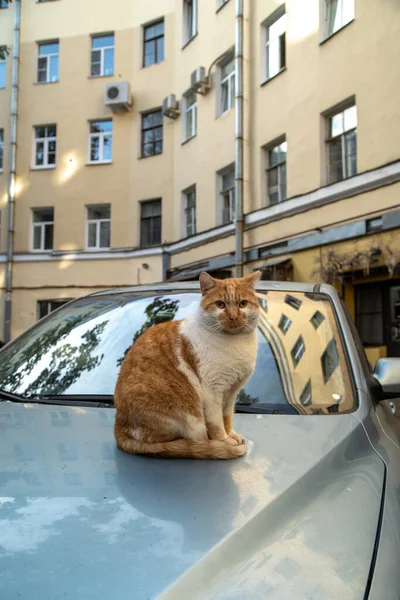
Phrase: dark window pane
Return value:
(335, 160)
(317, 319)
(329, 360)
(51, 131)
(305, 396)
(37, 238)
(105, 234)
(48, 237)
(297, 351)
(39, 132)
(94, 148)
(99, 212)
(293, 302)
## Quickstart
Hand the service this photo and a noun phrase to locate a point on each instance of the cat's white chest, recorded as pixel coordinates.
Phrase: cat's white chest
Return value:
(223, 361)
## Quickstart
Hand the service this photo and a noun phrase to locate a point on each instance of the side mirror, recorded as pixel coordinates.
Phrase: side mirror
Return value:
(387, 373)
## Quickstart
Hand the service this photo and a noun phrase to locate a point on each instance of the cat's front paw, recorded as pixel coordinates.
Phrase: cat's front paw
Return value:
(239, 439)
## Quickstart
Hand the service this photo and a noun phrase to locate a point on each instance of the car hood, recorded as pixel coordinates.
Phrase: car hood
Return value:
(295, 518)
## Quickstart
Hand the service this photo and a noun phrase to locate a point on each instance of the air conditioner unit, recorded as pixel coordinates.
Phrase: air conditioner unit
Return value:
(170, 107)
(199, 81)
(117, 96)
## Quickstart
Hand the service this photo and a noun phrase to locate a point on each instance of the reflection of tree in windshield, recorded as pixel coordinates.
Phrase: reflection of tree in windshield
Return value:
(245, 399)
(67, 364)
(158, 311)
(75, 359)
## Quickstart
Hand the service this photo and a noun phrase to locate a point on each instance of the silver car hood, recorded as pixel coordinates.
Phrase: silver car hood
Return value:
(296, 518)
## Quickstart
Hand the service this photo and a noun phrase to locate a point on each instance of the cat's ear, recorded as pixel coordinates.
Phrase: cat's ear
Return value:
(251, 279)
(206, 283)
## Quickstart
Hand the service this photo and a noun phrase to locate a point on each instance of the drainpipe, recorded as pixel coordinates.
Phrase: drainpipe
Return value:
(239, 218)
(12, 173)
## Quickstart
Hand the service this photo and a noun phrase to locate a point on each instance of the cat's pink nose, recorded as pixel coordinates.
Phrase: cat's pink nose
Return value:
(233, 317)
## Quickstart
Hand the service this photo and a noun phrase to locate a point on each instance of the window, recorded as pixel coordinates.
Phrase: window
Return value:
(284, 323)
(305, 396)
(150, 223)
(60, 418)
(228, 195)
(42, 229)
(227, 72)
(317, 319)
(45, 146)
(329, 360)
(276, 173)
(3, 4)
(293, 302)
(342, 144)
(297, 351)
(189, 20)
(68, 451)
(337, 14)
(190, 211)
(152, 133)
(3, 72)
(98, 226)
(153, 43)
(48, 58)
(45, 307)
(100, 141)
(375, 224)
(1, 148)
(102, 55)
(275, 43)
(190, 115)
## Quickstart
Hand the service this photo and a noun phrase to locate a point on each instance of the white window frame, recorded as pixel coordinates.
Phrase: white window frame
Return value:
(329, 139)
(187, 110)
(223, 193)
(3, 67)
(97, 222)
(48, 58)
(188, 193)
(278, 168)
(189, 28)
(42, 226)
(1, 150)
(325, 9)
(101, 135)
(229, 82)
(46, 140)
(269, 42)
(102, 50)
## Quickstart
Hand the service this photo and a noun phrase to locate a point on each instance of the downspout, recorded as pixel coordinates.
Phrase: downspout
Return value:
(239, 218)
(12, 173)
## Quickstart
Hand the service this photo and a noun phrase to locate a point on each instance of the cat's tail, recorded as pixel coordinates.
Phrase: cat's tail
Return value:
(207, 449)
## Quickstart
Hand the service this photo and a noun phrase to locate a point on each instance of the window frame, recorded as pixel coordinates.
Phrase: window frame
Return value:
(267, 44)
(279, 167)
(142, 219)
(102, 50)
(46, 140)
(101, 135)
(229, 81)
(98, 222)
(152, 128)
(41, 225)
(154, 41)
(326, 34)
(190, 193)
(330, 139)
(189, 29)
(189, 109)
(48, 58)
(227, 193)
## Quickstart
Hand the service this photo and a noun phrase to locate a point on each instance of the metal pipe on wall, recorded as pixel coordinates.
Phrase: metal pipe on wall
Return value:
(12, 169)
(239, 217)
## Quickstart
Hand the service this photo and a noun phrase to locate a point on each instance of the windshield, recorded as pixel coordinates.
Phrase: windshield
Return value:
(79, 349)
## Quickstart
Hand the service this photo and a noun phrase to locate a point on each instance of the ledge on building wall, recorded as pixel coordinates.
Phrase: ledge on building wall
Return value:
(331, 35)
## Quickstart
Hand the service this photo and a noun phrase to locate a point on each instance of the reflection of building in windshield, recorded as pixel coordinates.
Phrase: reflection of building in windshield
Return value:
(305, 342)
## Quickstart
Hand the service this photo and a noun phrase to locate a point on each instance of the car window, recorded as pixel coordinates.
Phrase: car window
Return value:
(79, 349)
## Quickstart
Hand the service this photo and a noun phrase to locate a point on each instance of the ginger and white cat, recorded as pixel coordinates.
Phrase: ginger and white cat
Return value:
(177, 386)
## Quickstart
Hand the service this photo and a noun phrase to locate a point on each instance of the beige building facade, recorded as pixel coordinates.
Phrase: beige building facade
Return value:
(141, 188)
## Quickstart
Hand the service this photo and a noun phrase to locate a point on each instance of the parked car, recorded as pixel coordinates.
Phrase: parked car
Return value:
(312, 511)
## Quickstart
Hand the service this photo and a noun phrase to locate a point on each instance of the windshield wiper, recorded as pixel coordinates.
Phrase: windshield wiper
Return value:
(61, 399)
(278, 409)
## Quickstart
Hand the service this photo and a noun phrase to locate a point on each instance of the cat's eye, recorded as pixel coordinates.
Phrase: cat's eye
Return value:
(242, 303)
(220, 304)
